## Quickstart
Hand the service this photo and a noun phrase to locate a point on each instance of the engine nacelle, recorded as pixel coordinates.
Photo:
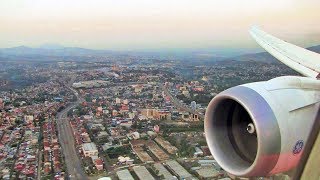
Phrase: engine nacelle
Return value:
(260, 129)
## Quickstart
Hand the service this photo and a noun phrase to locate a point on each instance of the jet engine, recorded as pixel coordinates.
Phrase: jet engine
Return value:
(260, 129)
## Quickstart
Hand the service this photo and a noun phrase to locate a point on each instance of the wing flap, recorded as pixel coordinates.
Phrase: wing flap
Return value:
(302, 60)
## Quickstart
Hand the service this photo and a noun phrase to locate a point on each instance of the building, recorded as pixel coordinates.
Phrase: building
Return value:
(163, 171)
(114, 112)
(118, 101)
(1, 104)
(194, 117)
(162, 114)
(29, 118)
(208, 173)
(166, 145)
(142, 173)
(204, 78)
(125, 160)
(152, 134)
(99, 164)
(157, 151)
(198, 88)
(102, 135)
(138, 148)
(89, 149)
(205, 150)
(156, 128)
(126, 101)
(105, 178)
(149, 113)
(183, 88)
(186, 93)
(198, 152)
(207, 162)
(99, 109)
(193, 105)
(124, 175)
(185, 116)
(115, 68)
(156, 114)
(90, 84)
(134, 135)
(138, 89)
(178, 170)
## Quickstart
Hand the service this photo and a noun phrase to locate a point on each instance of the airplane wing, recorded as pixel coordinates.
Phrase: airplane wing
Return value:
(301, 60)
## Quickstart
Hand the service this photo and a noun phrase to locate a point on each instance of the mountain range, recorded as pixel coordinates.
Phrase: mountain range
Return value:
(57, 52)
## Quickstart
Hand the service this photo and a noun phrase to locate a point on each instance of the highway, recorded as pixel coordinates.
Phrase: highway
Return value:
(73, 163)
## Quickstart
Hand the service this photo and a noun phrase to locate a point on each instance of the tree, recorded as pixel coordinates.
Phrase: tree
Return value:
(34, 123)
(18, 121)
(156, 171)
(190, 151)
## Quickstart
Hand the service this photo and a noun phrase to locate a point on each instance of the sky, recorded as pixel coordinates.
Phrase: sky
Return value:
(161, 24)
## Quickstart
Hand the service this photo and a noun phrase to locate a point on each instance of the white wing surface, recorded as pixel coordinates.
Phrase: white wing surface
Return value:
(301, 60)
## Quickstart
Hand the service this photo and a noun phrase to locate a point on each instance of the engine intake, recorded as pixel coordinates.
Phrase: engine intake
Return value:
(242, 132)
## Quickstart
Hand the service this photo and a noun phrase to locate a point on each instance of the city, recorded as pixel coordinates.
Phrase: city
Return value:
(116, 119)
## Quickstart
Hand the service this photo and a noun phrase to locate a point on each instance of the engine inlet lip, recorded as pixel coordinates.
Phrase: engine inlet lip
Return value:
(268, 150)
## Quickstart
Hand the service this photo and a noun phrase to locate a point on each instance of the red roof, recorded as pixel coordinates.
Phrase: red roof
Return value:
(98, 162)
(46, 144)
(47, 169)
(28, 171)
(19, 166)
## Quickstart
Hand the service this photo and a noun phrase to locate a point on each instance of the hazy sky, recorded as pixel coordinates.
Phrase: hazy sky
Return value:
(140, 24)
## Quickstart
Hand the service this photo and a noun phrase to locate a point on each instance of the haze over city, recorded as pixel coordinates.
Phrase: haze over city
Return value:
(143, 24)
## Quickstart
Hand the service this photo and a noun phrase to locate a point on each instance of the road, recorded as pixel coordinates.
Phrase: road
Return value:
(176, 102)
(73, 163)
(39, 164)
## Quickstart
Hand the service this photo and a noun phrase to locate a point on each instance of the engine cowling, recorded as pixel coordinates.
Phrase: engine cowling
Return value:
(260, 129)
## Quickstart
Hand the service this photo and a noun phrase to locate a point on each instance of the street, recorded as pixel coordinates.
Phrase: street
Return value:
(73, 163)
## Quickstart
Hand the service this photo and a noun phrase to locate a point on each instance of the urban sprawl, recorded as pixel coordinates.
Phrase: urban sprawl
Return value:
(113, 119)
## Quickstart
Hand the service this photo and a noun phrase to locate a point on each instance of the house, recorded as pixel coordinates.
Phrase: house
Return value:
(89, 149)
(99, 164)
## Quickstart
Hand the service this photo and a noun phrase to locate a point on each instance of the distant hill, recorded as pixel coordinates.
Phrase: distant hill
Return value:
(53, 52)
(51, 46)
(265, 56)
(49, 50)
(315, 49)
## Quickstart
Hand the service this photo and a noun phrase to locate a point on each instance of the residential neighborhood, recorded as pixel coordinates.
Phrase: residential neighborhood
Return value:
(115, 120)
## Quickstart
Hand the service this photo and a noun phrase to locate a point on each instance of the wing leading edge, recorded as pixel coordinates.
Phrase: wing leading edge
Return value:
(301, 60)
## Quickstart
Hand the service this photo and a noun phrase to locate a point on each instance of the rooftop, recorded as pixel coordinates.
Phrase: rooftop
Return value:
(89, 146)
(142, 173)
(208, 172)
(178, 169)
(124, 175)
(163, 171)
